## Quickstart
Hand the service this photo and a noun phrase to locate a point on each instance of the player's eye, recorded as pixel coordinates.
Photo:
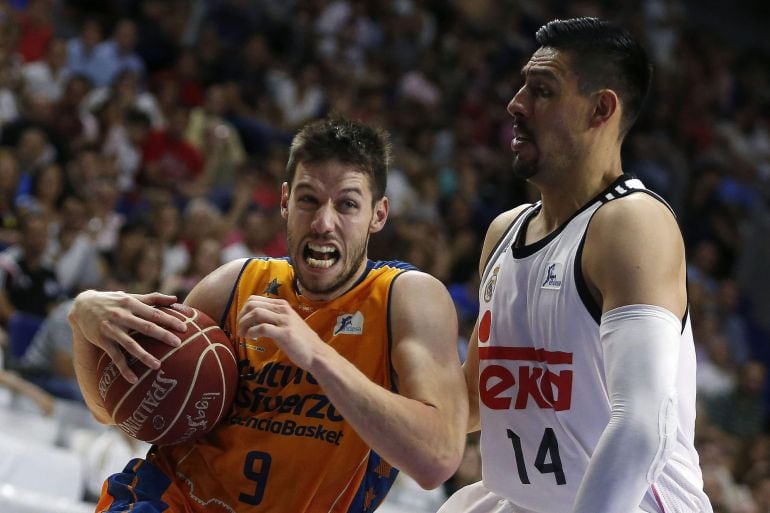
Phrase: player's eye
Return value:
(307, 200)
(347, 205)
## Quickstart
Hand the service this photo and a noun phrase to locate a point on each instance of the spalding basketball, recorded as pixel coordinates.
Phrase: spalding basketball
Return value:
(187, 396)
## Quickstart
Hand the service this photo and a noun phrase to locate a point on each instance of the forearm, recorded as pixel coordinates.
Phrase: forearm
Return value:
(85, 357)
(641, 346)
(471, 373)
(410, 435)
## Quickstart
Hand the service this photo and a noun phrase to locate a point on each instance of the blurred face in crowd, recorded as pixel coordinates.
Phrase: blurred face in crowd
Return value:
(125, 35)
(35, 237)
(57, 53)
(330, 215)
(547, 114)
(91, 33)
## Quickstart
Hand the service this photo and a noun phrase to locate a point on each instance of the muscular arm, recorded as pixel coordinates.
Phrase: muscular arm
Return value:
(101, 321)
(634, 264)
(471, 366)
(421, 430)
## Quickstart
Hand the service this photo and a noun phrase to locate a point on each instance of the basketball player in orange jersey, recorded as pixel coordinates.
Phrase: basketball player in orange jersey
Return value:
(581, 371)
(348, 367)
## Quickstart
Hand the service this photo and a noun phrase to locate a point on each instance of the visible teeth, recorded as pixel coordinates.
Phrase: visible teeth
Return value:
(323, 264)
(321, 249)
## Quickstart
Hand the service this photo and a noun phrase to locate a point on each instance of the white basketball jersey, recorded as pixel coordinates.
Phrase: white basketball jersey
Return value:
(543, 395)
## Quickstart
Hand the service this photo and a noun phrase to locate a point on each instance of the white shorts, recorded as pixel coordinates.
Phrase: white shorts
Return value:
(475, 498)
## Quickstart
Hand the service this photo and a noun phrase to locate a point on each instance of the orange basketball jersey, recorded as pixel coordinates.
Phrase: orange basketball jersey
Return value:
(285, 448)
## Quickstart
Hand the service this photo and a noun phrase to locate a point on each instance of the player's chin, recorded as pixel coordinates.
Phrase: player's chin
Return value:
(523, 167)
(319, 277)
(320, 284)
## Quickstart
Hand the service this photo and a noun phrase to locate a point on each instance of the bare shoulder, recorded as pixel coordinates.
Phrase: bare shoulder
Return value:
(636, 238)
(212, 293)
(635, 209)
(421, 307)
(415, 290)
(638, 222)
(495, 232)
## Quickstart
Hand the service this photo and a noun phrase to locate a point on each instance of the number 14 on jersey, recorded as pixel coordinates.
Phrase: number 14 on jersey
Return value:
(547, 460)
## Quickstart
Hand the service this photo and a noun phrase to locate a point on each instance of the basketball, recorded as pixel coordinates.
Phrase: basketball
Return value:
(187, 396)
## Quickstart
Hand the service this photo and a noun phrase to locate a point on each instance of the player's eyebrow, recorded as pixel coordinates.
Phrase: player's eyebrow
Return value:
(545, 73)
(347, 190)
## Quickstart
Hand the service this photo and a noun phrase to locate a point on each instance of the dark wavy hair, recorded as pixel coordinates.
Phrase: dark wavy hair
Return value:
(347, 141)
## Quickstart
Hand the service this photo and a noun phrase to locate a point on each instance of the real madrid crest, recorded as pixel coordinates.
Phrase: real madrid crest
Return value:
(489, 288)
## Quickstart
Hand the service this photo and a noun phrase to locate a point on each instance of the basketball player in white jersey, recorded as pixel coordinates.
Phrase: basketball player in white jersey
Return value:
(581, 369)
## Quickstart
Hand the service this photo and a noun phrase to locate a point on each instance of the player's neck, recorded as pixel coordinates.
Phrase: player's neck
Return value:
(565, 196)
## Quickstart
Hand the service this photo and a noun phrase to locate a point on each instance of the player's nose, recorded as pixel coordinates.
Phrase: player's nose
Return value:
(324, 218)
(517, 106)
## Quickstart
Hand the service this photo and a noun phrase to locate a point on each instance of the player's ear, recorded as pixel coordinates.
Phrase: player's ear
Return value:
(285, 200)
(606, 105)
(380, 215)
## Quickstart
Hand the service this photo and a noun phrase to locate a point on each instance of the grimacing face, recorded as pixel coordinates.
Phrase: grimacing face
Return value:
(329, 215)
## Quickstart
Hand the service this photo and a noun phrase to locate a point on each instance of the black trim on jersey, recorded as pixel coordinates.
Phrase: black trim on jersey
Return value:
(525, 251)
(370, 265)
(580, 282)
(685, 317)
(594, 310)
(396, 264)
(393, 375)
(232, 292)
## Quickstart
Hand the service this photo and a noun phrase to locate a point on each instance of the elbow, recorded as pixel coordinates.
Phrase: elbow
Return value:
(441, 468)
(430, 481)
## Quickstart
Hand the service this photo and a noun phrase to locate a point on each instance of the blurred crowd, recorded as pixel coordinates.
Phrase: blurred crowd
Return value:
(143, 143)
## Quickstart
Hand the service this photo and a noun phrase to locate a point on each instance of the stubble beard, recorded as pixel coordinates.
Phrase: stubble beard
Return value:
(522, 169)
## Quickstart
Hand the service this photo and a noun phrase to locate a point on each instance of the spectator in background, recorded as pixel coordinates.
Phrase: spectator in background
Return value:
(46, 192)
(256, 235)
(166, 226)
(9, 182)
(298, 95)
(34, 151)
(81, 50)
(742, 412)
(47, 361)
(120, 261)
(72, 118)
(48, 76)
(201, 220)
(116, 54)
(206, 257)
(29, 288)
(733, 323)
(125, 92)
(35, 29)
(123, 142)
(145, 275)
(104, 221)
(219, 143)
(73, 251)
(10, 71)
(172, 164)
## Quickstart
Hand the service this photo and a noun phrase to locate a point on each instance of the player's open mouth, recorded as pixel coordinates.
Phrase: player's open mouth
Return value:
(321, 256)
